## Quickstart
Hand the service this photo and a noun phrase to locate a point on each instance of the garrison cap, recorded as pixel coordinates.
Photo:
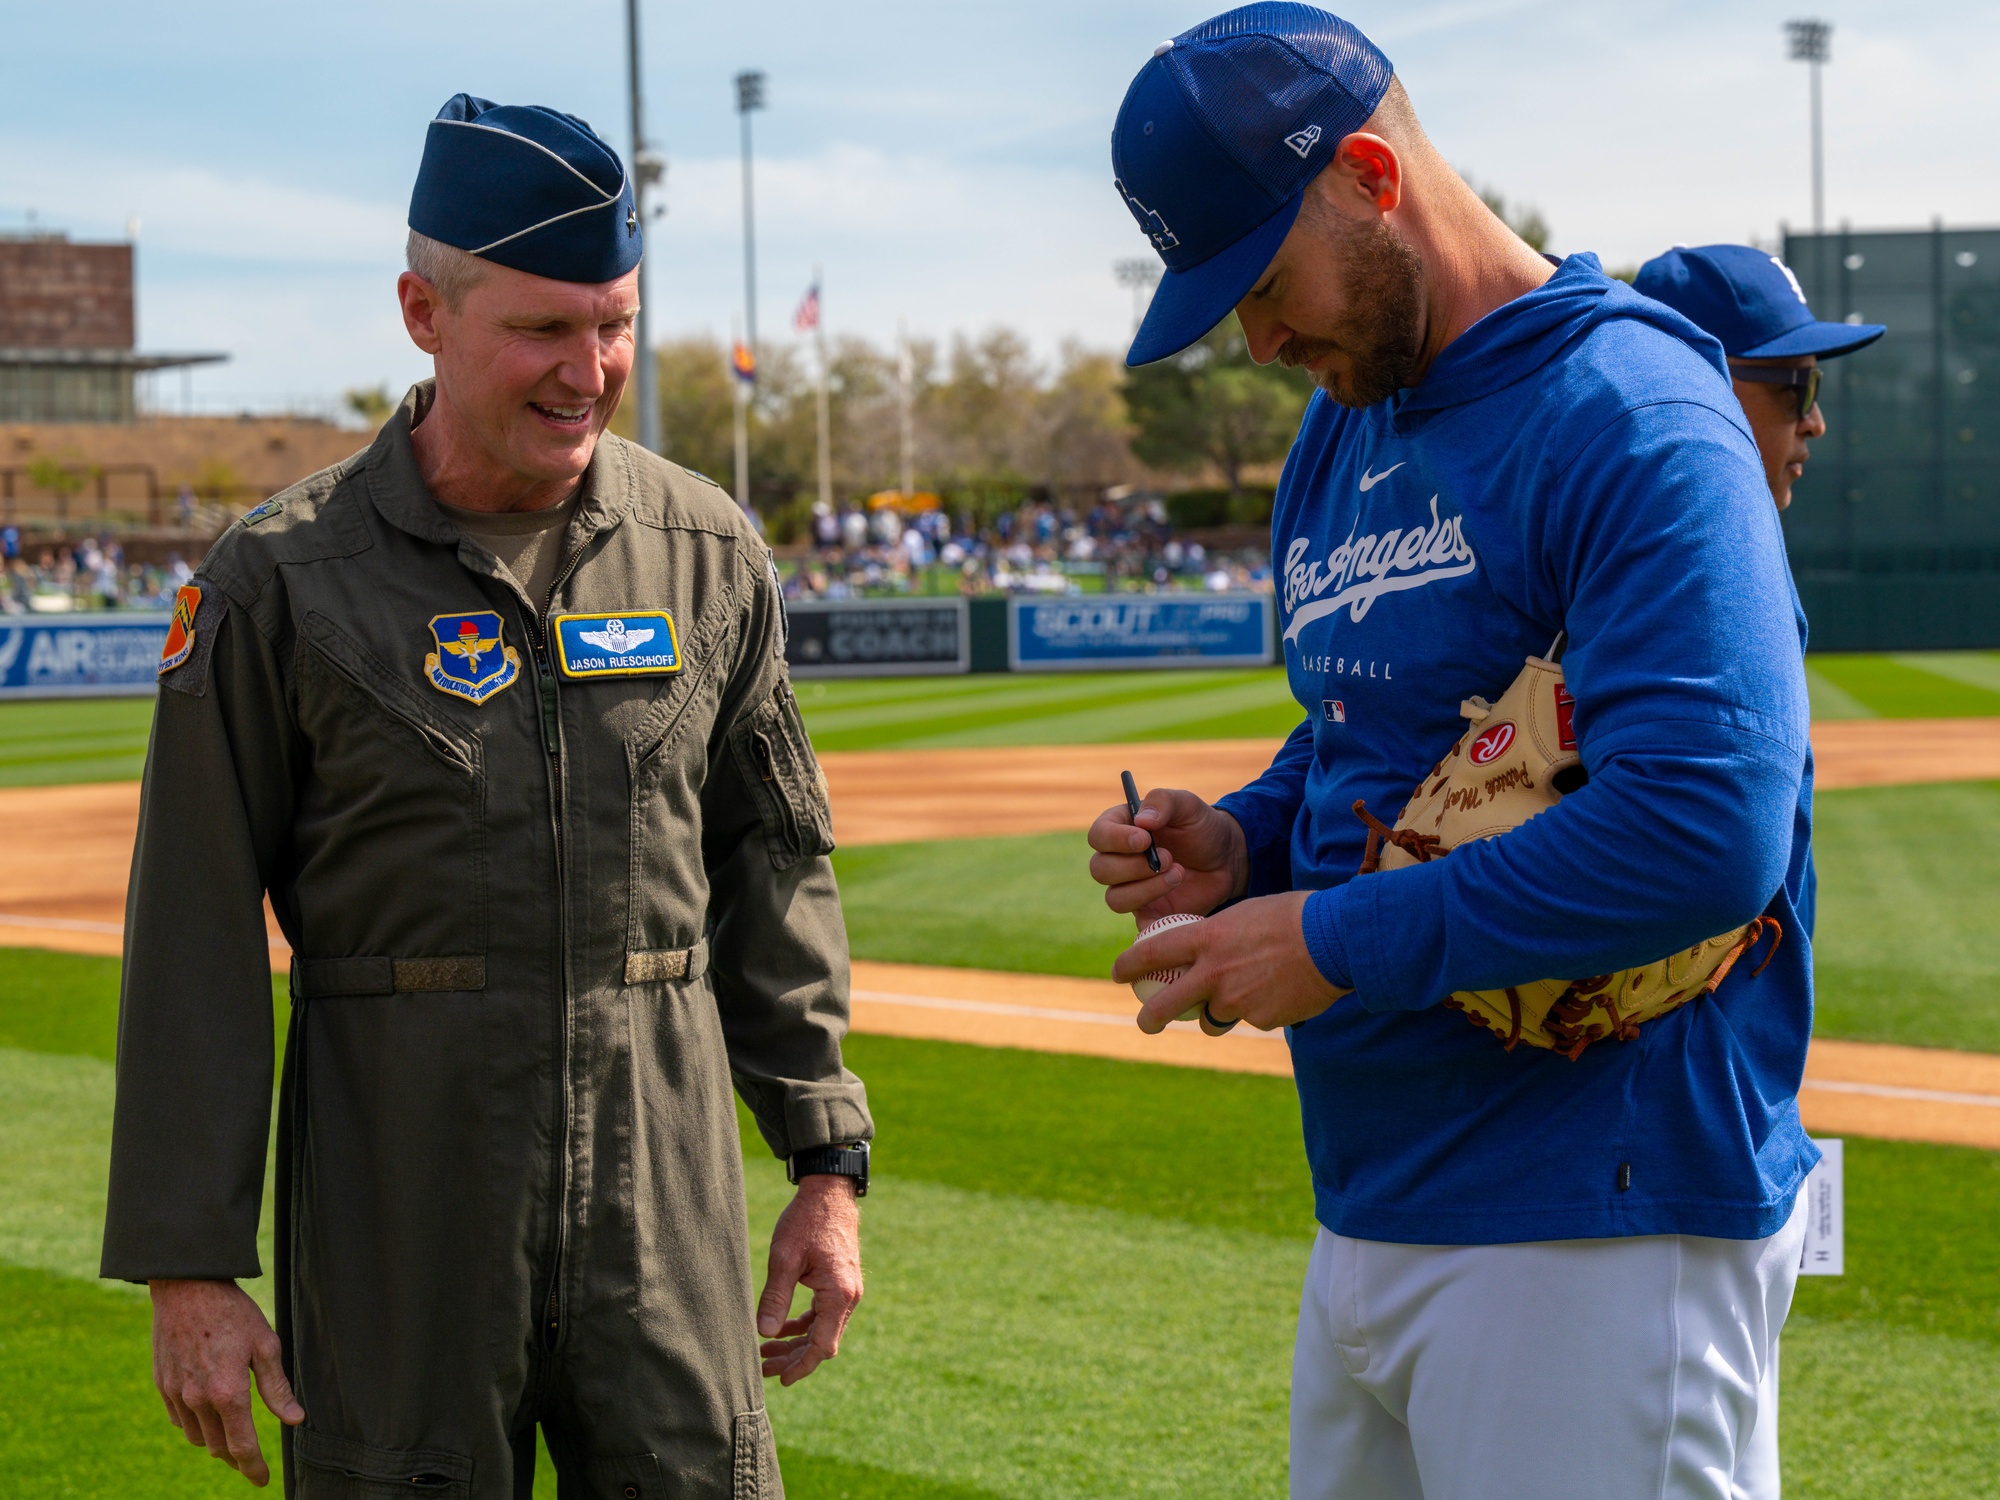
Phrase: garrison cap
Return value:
(527, 187)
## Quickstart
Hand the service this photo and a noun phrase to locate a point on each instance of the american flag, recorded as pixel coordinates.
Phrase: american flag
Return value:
(806, 319)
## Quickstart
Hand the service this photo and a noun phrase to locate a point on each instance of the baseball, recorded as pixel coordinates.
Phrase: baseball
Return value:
(1150, 985)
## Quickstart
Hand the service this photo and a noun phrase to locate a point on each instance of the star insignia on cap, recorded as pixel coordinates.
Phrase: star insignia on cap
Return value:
(632, 221)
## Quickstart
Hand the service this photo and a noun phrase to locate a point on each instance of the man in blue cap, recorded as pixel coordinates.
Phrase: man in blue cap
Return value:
(496, 713)
(1755, 308)
(1538, 1273)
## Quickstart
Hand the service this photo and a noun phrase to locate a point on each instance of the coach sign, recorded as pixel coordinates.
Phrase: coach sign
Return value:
(877, 637)
(114, 654)
(1138, 630)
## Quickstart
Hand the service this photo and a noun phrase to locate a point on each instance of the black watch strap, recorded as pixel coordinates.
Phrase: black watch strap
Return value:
(840, 1161)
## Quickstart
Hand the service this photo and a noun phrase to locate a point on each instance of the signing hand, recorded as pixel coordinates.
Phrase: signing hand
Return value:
(817, 1244)
(208, 1336)
(1204, 859)
(1248, 963)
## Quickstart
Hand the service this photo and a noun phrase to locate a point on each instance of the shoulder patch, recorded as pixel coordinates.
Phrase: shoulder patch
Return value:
(262, 512)
(180, 634)
(191, 637)
(696, 473)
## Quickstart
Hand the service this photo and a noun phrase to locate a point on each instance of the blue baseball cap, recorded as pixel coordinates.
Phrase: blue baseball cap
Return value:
(527, 187)
(1749, 300)
(1215, 143)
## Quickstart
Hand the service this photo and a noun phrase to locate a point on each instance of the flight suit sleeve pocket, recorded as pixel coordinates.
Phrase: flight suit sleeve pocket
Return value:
(756, 1476)
(778, 765)
(332, 1468)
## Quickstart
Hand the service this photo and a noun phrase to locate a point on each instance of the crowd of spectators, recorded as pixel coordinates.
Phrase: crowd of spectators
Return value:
(92, 574)
(918, 546)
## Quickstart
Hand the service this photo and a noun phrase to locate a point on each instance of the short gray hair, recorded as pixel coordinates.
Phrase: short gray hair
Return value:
(452, 271)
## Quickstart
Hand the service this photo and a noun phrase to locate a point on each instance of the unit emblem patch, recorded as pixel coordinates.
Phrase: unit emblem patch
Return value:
(634, 643)
(470, 662)
(180, 634)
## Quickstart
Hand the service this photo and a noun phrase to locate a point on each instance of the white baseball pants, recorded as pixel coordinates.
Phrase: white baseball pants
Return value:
(1622, 1369)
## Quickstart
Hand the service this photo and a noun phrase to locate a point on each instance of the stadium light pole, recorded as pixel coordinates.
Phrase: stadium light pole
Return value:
(648, 167)
(1812, 44)
(749, 98)
(1141, 275)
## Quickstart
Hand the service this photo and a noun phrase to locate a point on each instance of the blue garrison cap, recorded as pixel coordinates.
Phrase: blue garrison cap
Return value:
(526, 187)
(1750, 301)
(1216, 141)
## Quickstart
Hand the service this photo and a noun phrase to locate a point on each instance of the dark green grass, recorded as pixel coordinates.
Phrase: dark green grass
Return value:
(67, 1003)
(1046, 709)
(1216, 1149)
(1890, 1389)
(1907, 946)
(1026, 904)
(63, 740)
(1937, 685)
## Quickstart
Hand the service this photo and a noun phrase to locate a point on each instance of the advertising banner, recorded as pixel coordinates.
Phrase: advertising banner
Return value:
(110, 655)
(877, 637)
(1094, 631)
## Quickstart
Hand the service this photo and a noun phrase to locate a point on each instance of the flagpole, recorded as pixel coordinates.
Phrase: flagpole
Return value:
(742, 409)
(825, 422)
(905, 375)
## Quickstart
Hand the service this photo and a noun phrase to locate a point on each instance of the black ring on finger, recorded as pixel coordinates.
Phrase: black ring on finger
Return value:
(1222, 1028)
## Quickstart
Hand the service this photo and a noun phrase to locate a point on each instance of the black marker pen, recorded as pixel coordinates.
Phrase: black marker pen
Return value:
(1132, 806)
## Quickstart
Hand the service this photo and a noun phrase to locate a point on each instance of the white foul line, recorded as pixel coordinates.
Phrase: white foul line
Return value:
(1892, 1091)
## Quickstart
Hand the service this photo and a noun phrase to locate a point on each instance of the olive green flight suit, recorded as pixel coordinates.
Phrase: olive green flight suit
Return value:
(538, 934)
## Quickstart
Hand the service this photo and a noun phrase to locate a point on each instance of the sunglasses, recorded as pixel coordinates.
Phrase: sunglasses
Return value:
(1804, 383)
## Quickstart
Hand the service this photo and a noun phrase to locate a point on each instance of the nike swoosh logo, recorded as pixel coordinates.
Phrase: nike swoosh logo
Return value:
(1369, 481)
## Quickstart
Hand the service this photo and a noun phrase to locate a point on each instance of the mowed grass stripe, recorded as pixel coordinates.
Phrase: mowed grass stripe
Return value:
(1894, 687)
(1830, 701)
(1244, 711)
(1980, 669)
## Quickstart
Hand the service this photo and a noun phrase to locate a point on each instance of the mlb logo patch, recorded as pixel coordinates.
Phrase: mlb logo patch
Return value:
(631, 643)
(471, 661)
(1336, 711)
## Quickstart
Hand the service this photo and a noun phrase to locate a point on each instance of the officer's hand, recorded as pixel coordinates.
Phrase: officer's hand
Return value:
(1204, 859)
(1248, 963)
(817, 1244)
(208, 1336)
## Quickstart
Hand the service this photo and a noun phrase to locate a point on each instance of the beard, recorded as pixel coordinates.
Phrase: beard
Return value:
(1380, 338)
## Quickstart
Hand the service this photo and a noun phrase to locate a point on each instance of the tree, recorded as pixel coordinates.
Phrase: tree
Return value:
(371, 403)
(1211, 404)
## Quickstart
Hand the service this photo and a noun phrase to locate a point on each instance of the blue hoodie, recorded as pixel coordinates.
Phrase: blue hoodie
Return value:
(1574, 461)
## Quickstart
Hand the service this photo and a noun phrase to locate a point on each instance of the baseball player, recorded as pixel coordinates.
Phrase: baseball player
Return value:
(1539, 1273)
(496, 713)
(1756, 309)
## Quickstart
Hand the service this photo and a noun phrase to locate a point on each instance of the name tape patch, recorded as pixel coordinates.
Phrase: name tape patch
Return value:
(629, 643)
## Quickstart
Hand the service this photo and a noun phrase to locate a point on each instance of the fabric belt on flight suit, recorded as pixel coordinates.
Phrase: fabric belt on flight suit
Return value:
(325, 978)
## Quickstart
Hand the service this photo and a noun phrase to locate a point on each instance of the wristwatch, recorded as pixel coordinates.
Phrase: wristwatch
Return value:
(850, 1160)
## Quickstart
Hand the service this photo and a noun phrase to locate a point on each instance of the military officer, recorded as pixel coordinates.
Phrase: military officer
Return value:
(496, 713)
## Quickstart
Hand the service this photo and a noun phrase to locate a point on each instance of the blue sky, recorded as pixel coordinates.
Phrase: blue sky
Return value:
(946, 161)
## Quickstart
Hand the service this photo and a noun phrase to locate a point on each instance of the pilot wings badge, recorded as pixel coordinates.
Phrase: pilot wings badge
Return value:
(633, 643)
(470, 662)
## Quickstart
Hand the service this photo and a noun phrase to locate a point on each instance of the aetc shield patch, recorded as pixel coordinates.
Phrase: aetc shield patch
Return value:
(470, 662)
(180, 634)
(633, 643)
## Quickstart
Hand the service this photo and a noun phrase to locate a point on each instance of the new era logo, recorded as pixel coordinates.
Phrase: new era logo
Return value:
(1303, 141)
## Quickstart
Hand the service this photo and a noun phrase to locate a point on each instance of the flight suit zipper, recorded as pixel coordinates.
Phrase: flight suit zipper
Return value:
(545, 674)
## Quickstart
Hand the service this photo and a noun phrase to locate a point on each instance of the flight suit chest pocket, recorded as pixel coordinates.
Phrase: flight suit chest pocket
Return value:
(777, 763)
(391, 823)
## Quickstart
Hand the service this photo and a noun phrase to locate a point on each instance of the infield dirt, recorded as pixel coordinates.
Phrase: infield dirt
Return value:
(70, 848)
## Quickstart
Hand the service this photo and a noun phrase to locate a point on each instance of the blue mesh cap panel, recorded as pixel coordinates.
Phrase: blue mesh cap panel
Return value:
(1263, 77)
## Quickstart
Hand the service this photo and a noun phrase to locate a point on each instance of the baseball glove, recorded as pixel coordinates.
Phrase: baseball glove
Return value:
(1516, 758)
